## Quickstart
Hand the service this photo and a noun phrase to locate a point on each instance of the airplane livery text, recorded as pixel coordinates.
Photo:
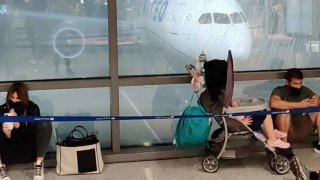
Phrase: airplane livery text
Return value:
(156, 10)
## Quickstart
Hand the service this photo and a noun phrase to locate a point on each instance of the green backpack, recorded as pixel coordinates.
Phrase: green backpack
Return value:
(192, 131)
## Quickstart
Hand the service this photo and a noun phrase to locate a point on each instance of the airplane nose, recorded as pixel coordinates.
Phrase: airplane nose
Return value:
(240, 43)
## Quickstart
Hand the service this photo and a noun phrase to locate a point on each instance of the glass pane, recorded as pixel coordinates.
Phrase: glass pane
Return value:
(160, 37)
(264, 88)
(151, 100)
(285, 34)
(42, 39)
(74, 102)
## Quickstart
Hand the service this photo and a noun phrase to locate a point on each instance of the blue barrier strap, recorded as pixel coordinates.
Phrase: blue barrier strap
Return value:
(107, 118)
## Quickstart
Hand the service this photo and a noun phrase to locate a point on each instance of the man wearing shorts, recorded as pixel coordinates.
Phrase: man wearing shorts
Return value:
(294, 95)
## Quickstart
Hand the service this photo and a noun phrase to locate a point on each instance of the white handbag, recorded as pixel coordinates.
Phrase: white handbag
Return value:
(79, 155)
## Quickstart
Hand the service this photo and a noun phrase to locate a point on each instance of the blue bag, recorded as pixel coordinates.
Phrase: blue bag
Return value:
(192, 131)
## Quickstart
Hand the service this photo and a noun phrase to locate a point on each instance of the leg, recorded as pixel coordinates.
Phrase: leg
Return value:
(67, 62)
(272, 138)
(268, 126)
(56, 59)
(44, 130)
(315, 118)
(3, 170)
(303, 125)
(283, 123)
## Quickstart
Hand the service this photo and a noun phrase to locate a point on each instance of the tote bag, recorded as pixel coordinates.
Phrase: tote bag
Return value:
(79, 155)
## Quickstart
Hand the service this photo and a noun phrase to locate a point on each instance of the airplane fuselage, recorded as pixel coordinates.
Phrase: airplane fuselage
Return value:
(214, 26)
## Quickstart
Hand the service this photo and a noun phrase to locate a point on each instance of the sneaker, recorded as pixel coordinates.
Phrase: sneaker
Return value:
(278, 144)
(299, 171)
(3, 173)
(316, 148)
(38, 172)
(314, 175)
(279, 134)
(259, 136)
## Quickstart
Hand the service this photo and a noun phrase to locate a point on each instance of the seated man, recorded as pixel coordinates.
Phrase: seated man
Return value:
(294, 95)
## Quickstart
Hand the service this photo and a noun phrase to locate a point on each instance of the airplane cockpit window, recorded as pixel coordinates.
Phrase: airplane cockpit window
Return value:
(205, 18)
(221, 18)
(236, 18)
(243, 17)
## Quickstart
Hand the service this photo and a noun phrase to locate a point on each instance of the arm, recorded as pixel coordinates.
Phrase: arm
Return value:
(314, 101)
(277, 103)
(20, 129)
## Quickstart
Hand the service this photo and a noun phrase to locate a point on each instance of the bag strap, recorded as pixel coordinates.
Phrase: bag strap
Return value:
(82, 128)
(71, 135)
(191, 99)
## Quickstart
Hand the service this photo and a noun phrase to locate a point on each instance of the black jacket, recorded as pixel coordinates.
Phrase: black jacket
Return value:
(21, 147)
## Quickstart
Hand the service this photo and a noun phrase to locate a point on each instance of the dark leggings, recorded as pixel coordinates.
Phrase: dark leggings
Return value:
(257, 121)
(31, 142)
(44, 130)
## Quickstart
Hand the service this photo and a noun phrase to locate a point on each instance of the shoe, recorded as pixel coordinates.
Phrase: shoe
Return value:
(278, 144)
(259, 136)
(3, 173)
(38, 172)
(316, 148)
(314, 175)
(279, 134)
(299, 171)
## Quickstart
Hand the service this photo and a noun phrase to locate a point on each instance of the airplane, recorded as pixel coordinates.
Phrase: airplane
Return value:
(214, 26)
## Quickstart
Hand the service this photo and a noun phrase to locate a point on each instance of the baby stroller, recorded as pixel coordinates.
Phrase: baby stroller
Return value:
(234, 139)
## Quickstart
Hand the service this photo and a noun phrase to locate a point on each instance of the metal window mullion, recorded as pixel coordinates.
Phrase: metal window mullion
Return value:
(113, 67)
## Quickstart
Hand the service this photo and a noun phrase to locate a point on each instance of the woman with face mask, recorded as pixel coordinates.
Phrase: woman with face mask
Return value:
(22, 142)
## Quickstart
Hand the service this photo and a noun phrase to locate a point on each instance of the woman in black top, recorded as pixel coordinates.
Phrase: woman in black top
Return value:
(26, 141)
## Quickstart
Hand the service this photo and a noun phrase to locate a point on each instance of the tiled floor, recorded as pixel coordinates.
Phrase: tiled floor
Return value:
(252, 168)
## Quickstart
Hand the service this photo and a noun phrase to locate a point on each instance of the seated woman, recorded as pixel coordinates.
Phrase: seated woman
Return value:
(22, 142)
(255, 122)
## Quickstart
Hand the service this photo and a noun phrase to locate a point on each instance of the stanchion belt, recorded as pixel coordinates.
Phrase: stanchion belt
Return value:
(107, 118)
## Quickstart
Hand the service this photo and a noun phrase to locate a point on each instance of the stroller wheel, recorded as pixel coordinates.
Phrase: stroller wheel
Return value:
(282, 165)
(272, 163)
(270, 154)
(210, 164)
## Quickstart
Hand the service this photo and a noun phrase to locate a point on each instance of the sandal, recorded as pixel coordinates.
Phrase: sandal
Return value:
(279, 144)
(279, 134)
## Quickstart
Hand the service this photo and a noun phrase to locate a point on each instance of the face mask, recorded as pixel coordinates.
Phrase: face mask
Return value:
(295, 91)
(17, 106)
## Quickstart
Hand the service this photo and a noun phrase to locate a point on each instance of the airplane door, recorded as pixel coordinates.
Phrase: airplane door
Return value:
(177, 20)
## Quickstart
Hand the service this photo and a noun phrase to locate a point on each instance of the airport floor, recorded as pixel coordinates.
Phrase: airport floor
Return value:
(251, 168)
